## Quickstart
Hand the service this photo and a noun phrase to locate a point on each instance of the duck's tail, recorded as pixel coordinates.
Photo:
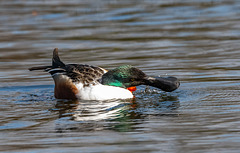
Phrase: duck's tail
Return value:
(56, 63)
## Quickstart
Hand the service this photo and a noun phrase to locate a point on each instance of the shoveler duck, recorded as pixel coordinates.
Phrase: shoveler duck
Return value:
(86, 82)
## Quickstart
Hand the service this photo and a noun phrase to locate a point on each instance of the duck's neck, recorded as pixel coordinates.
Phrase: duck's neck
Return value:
(112, 83)
(109, 79)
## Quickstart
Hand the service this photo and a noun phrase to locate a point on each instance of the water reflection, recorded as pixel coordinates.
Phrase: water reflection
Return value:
(119, 115)
(91, 110)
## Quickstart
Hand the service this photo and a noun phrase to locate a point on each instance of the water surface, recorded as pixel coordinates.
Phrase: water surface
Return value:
(196, 41)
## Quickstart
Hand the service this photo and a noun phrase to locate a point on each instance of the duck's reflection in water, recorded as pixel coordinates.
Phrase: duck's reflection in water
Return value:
(93, 110)
(120, 115)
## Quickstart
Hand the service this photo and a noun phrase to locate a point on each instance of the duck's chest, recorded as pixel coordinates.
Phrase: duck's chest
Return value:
(101, 92)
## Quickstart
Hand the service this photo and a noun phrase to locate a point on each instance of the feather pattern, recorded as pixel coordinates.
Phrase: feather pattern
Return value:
(79, 73)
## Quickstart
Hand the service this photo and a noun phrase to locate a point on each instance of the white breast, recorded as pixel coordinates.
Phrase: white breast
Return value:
(102, 92)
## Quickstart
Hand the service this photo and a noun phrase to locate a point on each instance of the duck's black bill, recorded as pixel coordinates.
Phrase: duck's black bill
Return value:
(164, 83)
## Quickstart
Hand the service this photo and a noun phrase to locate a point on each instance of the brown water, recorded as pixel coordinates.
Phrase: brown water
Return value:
(196, 41)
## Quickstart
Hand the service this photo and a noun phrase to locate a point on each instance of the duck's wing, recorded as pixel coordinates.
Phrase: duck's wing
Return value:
(78, 73)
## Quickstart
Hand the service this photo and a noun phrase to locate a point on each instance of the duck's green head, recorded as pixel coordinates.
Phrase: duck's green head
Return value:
(127, 76)
(124, 76)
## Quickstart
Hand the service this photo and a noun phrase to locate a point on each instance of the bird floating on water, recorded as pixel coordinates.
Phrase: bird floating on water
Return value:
(87, 82)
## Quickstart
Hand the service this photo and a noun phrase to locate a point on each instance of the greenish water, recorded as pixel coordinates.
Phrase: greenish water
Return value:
(196, 41)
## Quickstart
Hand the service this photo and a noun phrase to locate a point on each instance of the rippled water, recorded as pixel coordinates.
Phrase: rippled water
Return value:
(196, 41)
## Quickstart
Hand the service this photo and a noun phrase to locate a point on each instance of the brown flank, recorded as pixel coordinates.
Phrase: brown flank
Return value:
(64, 88)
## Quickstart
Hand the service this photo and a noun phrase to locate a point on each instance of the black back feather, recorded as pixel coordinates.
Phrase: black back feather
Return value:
(56, 62)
